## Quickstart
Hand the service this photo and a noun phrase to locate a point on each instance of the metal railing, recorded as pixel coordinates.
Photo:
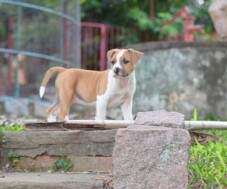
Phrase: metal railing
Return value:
(69, 53)
(40, 8)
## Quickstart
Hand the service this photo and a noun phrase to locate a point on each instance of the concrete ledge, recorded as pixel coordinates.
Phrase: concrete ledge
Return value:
(38, 150)
(60, 143)
(54, 181)
(45, 163)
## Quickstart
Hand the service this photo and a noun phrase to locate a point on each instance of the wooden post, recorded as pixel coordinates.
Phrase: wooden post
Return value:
(152, 9)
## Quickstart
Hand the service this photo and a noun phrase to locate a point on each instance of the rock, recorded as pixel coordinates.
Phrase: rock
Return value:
(53, 181)
(160, 118)
(218, 14)
(151, 157)
(91, 164)
(45, 163)
(88, 150)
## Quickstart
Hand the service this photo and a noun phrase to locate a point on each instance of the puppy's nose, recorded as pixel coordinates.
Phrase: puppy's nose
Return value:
(116, 70)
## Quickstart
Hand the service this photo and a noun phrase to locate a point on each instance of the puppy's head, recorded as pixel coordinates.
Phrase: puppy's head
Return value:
(123, 61)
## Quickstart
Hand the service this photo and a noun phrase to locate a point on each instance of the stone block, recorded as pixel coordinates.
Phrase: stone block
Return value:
(54, 181)
(151, 157)
(160, 118)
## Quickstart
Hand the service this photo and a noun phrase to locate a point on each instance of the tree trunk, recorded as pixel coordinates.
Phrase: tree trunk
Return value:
(152, 9)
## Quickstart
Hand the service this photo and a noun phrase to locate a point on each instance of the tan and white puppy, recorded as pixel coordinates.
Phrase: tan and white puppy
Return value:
(105, 89)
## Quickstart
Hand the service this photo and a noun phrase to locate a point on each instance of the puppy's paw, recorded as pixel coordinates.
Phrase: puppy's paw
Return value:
(99, 118)
(51, 118)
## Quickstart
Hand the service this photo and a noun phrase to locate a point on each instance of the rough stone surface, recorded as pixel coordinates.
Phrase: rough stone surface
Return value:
(92, 164)
(150, 157)
(182, 76)
(218, 14)
(75, 142)
(53, 181)
(46, 163)
(38, 150)
(160, 118)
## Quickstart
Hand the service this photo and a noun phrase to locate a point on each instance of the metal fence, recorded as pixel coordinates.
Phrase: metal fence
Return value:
(33, 36)
(96, 39)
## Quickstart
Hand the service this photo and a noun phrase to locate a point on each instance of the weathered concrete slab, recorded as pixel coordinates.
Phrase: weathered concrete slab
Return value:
(60, 143)
(33, 139)
(45, 163)
(39, 150)
(53, 181)
(160, 118)
(151, 157)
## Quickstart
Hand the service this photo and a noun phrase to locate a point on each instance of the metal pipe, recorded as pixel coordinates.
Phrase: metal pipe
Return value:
(40, 8)
(18, 46)
(196, 125)
(189, 125)
(33, 54)
(115, 123)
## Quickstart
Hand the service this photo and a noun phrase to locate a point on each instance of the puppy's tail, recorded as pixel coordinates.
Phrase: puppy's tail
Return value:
(50, 73)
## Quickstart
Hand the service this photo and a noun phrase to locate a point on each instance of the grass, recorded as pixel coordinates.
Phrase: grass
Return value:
(13, 158)
(11, 128)
(63, 165)
(208, 162)
(208, 165)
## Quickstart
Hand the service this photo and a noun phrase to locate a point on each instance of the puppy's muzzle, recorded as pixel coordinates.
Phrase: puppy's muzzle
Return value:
(117, 70)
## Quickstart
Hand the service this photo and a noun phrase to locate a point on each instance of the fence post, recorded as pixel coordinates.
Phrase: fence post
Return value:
(103, 47)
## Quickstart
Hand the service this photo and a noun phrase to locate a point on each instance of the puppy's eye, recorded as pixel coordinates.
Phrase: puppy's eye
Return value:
(125, 61)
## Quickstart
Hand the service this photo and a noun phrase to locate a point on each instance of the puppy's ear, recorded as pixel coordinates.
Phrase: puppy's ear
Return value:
(111, 53)
(135, 55)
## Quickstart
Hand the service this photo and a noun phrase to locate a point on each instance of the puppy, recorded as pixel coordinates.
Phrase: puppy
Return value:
(105, 89)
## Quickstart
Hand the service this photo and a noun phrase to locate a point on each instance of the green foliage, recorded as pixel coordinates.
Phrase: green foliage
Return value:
(208, 165)
(202, 16)
(195, 116)
(12, 128)
(13, 158)
(212, 117)
(140, 18)
(163, 29)
(133, 16)
(63, 164)
(170, 6)
(208, 162)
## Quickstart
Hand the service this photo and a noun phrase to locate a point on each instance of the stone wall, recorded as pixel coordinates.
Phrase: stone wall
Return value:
(173, 76)
(151, 153)
(182, 76)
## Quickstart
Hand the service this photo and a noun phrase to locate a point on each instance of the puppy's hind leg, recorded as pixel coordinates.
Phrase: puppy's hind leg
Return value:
(51, 112)
(65, 101)
(52, 117)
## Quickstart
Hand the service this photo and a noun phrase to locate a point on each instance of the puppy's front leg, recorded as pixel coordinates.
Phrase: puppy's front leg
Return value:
(101, 106)
(126, 109)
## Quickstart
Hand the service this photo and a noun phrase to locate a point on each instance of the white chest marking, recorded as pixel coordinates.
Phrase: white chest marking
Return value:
(118, 89)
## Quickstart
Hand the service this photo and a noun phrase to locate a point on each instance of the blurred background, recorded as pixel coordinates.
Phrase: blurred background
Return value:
(180, 40)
